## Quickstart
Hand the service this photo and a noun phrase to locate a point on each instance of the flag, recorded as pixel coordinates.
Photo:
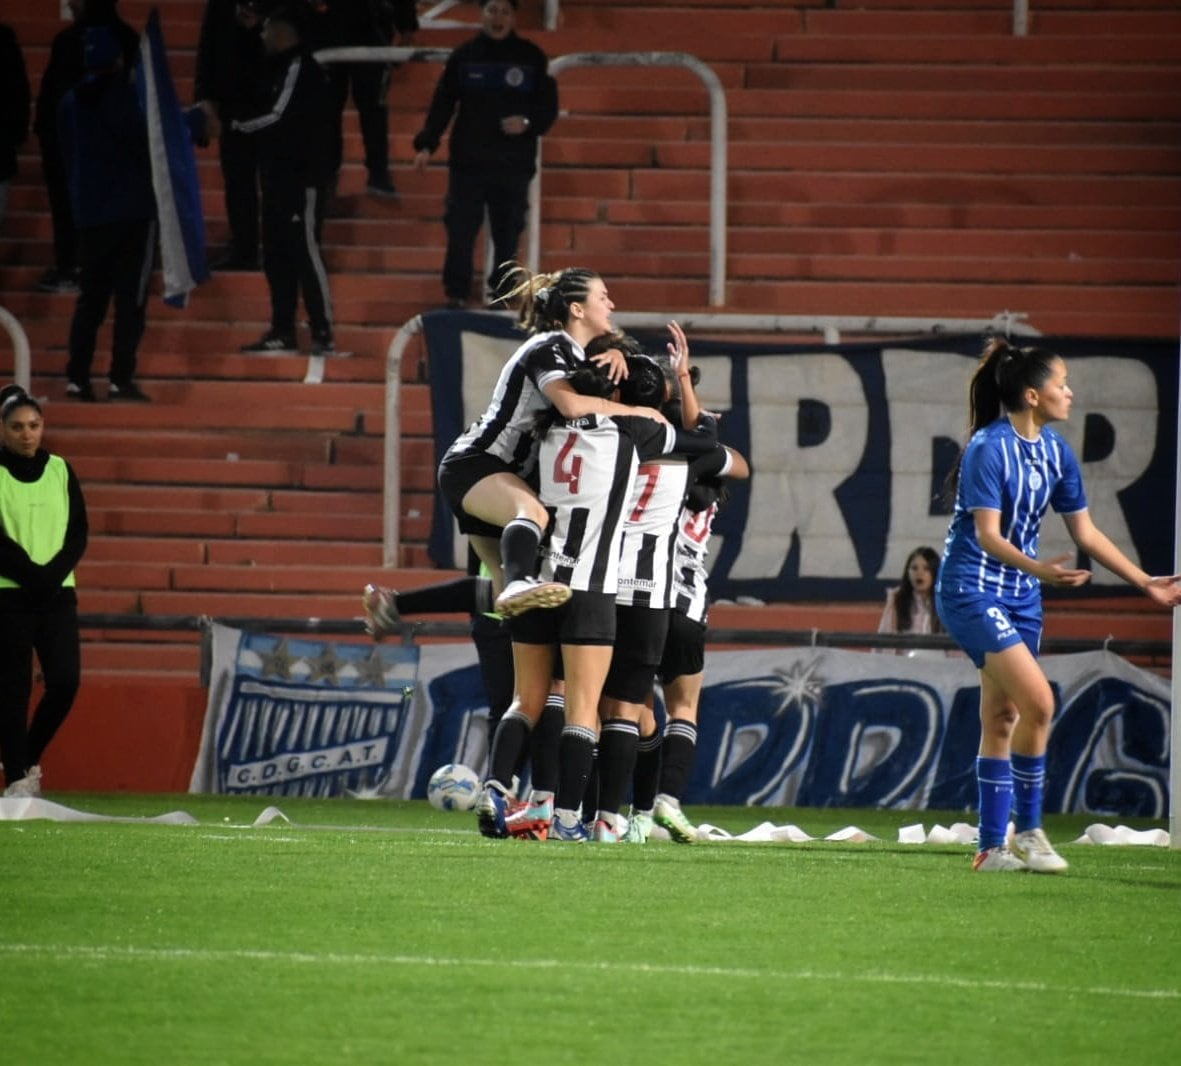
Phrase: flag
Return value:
(174, 171)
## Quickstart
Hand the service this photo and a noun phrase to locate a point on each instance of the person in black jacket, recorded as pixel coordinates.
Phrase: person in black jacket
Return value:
(14, 110)
(228, 84)
(63, 71)
(361, 23)
(103, 137)
(294, 147)
(43, 533)
(498, 88)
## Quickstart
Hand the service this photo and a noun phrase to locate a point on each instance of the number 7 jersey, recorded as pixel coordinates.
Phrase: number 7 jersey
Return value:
(587, 467)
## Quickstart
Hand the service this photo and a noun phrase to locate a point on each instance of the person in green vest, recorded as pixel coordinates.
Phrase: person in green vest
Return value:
(43, 532)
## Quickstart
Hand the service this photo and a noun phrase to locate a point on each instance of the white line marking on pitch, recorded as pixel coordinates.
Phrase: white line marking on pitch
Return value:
(115, 953)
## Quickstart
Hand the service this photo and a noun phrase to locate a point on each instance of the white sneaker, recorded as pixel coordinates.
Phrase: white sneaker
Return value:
(639, 825)
(530, 592)
(667, 813)
(1034, 849)
(25, 788)
(998, 858)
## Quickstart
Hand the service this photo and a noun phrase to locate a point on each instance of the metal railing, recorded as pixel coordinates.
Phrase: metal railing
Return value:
(718, 162)
(21, 361)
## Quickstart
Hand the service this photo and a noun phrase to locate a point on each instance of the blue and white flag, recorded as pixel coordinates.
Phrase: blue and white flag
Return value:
(174, 171)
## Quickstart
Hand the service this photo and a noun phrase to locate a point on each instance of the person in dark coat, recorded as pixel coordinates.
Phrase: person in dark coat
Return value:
(294, 135)
(63, 71)
(14, 110)
(229, 84)
(103, 138)
(498, 89)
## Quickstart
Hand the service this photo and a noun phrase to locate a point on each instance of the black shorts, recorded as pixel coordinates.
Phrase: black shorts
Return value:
(457, 476)
(585, 618)
(640, 636)
(684, 649)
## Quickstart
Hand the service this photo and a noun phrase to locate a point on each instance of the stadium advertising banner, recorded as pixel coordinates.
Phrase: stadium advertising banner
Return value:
(817, 727)
(289, 717)
(850, 445)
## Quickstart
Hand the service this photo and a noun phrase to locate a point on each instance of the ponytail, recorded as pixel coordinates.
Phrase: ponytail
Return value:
(544, 299)
(998, 387)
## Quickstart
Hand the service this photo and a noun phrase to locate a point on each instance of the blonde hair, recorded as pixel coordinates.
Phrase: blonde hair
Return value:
(543, 300)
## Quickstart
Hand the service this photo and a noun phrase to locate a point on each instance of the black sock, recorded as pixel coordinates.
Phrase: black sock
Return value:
(518, 549)
(617, 762)
(647, 773)
(461, 596)
(512, 734)
(544, 743)
(576, 753)
(677, 755)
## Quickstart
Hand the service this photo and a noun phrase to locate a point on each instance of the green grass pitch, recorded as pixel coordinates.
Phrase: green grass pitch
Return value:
(382, 932)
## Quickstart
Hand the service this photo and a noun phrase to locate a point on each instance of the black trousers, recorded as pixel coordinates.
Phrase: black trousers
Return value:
(370, 83)
(50, 630)
(505, 196)
(114, 260)
(65, 237)
(291, 216)
(238, 153)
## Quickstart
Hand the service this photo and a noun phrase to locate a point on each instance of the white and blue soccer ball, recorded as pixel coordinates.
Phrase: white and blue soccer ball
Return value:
(453, 787)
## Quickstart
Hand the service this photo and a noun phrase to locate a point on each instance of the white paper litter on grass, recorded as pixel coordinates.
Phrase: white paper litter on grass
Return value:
(1122, 834)
(28, 808)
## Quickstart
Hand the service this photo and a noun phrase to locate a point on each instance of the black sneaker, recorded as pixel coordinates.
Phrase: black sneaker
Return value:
(129, 390)
(323, 346)
(56, 282)
(381, 186)
(271, 342)
(83, 392)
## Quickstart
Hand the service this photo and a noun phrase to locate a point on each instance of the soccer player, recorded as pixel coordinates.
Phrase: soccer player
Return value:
(1014, 467)
(484, 474)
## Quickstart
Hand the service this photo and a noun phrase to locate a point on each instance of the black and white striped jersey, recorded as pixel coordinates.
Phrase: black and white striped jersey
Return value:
(586, 470)
(690, 594)
(505, 429)
(649, 533)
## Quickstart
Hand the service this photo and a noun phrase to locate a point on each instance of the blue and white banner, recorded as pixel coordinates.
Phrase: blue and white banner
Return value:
(822, 727)
(174, 171)
(850, 446)
(292, 717)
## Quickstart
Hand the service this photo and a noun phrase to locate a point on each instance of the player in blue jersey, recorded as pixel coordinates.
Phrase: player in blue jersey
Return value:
(1015, 467)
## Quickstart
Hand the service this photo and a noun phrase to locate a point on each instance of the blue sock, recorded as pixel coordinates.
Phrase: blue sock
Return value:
(1029, 781)
(994, 780)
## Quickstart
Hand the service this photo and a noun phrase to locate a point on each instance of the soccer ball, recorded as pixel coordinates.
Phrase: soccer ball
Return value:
(453, 787)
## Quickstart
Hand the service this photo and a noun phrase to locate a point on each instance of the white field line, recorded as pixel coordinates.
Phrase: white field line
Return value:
(117, 954)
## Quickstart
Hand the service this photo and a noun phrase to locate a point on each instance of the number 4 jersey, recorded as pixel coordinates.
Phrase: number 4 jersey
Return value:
(587, 468)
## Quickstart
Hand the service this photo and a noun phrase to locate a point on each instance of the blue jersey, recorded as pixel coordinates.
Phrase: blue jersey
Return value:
(1002, 471)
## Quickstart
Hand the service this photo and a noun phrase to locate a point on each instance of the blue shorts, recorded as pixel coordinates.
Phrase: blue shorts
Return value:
(982, 624)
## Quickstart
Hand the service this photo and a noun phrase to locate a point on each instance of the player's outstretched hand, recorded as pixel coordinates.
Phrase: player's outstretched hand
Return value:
(1164, 590)
(1053, 572)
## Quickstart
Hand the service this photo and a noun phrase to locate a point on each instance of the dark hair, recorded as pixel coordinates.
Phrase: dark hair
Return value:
(998, 386)
(644, 385)
(904, 597)
(545, 299)
(12, 397)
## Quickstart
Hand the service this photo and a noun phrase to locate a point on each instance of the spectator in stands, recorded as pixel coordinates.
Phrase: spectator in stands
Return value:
(63, 71)
(365, 23)
(1014, 467)
(103, 138)
(14, 110)
(43, 533)
(229, 84)
(498, 89)
(294, 136)
(910, 608)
